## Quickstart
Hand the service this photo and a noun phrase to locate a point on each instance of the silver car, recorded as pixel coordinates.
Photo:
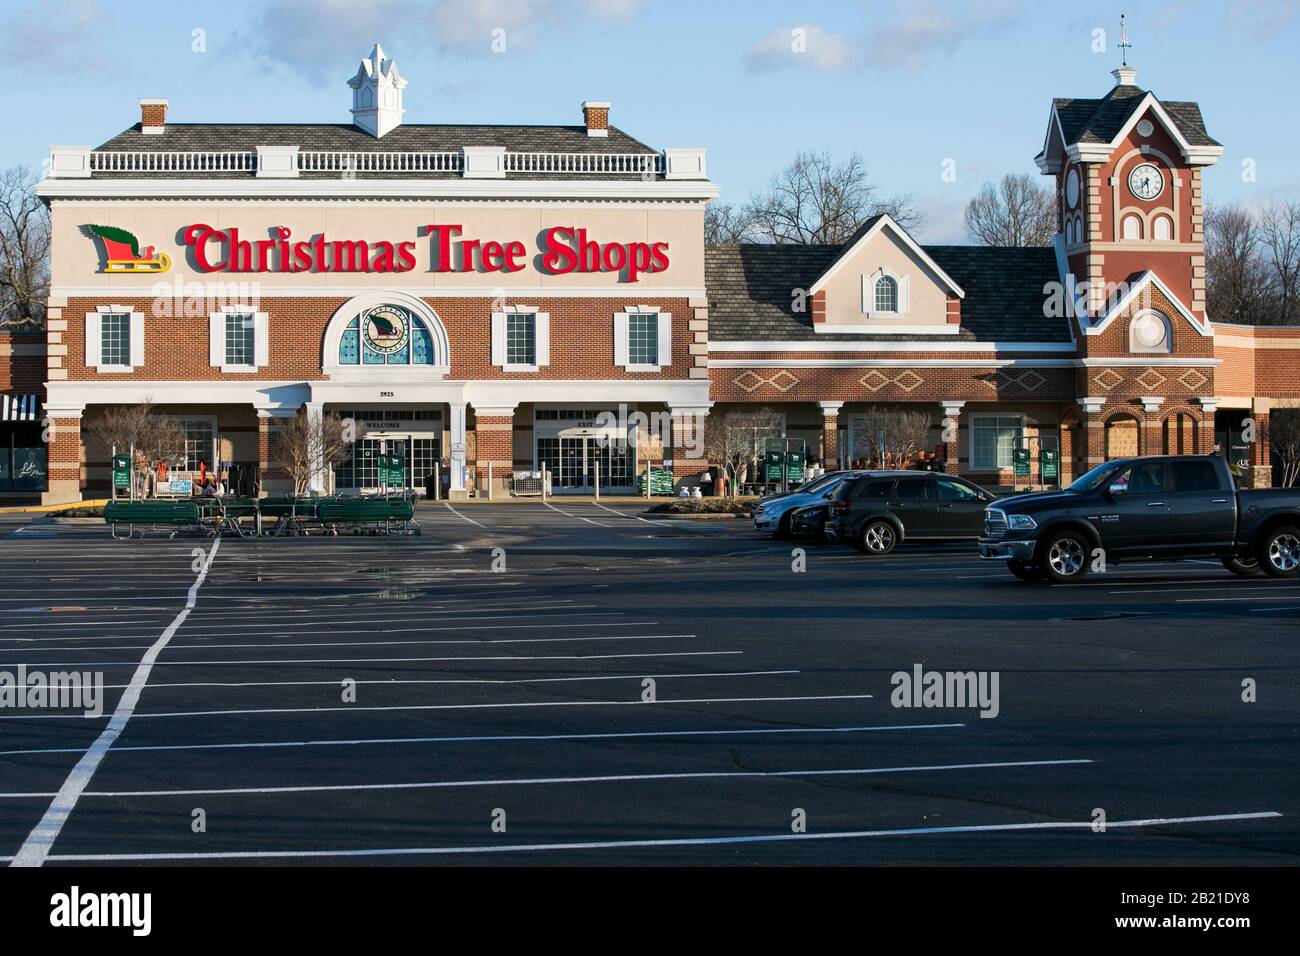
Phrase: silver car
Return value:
(772, 514)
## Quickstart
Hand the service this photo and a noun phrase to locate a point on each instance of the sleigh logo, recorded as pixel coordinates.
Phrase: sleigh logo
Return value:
(122, 252)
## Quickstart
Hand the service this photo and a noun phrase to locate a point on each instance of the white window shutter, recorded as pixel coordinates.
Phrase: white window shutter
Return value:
(261, 339)
(665, 339)
(620, 338)
(499, 339)
(217, 339)
(137, 340)
(92, 339)
(868, 294)
(542, 329)
(902, 295)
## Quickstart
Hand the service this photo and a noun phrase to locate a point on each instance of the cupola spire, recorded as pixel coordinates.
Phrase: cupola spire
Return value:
(377, 94)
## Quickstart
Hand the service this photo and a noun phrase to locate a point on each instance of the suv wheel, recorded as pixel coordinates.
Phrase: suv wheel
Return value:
(1279, 551)
(1242, 566)
(878, 537)
(1065, 557)
(1025, 570)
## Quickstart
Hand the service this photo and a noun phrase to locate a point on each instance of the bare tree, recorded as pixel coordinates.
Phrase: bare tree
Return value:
(1284, 439)
(24, 251)
(738, 440)
(816, 200)
(891, 439)
(725, 223)
(142, 432)
(306, 447)
(1279, 230)
(1016, 211)
(1236, 278)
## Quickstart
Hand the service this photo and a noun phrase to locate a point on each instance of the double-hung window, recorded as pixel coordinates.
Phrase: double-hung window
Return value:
(238, 339)
(521, 338)
(643, 339)
(114, 338)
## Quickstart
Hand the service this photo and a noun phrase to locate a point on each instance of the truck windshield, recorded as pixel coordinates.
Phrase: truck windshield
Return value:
(1094, 479)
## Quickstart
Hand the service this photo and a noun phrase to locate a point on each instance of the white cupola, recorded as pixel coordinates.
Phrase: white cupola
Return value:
(377, 94)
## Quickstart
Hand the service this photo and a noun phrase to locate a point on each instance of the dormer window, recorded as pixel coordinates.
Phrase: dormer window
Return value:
(886, 294)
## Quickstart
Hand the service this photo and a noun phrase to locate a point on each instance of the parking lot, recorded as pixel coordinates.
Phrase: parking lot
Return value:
(574, 683)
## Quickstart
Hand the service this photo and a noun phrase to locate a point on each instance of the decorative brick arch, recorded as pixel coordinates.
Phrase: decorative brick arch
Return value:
(1116, 443)
(1181, 429)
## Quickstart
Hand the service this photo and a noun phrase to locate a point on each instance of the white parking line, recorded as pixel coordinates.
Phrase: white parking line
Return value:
(467, 680)
(1287, 597)
(543, 781)
(379, 660)
(464, 517)
(294, 644)
(36, 848)
(499, 738)
(667, 842)
(638, 702)
(579, 517)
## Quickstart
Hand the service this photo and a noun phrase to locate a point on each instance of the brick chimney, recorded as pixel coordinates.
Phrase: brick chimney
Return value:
(596, 116)
(153, 116)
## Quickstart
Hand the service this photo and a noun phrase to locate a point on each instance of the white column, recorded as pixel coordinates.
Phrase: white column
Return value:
(315, 412)
(457, 451)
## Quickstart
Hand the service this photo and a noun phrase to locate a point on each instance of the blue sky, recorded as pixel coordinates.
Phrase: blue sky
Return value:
(907, 83)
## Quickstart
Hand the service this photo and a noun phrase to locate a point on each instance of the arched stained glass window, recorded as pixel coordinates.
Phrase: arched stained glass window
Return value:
(386, 335)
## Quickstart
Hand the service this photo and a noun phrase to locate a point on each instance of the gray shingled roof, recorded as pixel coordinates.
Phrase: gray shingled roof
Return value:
(345, 137)
(750, 288)
(1100, 120)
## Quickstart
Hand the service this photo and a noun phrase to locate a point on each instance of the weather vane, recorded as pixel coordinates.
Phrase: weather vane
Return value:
(1123, 40)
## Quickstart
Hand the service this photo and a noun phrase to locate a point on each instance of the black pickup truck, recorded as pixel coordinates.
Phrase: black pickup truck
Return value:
(1143, 509)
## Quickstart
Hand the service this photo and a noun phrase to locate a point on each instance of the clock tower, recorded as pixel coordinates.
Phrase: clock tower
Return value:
(1130, 253)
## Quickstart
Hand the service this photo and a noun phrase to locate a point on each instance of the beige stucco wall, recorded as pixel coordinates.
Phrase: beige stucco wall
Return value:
(927, 297)
(76, 257)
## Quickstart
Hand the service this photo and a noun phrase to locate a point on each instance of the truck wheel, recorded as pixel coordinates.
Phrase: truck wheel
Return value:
(878, 537)
(1065, 557)
(1279, 551)
(1025, 570)
(1243, 566)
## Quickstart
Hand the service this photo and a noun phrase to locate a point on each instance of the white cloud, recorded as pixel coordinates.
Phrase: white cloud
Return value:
(324, 40)
(614, 9)
(920, 30)
(58, 36)
(808, 45)
(469, 25)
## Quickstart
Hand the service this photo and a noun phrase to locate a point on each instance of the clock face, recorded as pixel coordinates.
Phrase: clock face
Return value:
(1146, 182)
(1072, 189)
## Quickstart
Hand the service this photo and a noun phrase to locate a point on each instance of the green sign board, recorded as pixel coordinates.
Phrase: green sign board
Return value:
(1020, 461)
(794, 466)
(121, 471)
(391, 471)
(1048, 464)
(775, 461)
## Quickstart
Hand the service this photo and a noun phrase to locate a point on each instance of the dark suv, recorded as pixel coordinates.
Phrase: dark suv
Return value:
(880, 509)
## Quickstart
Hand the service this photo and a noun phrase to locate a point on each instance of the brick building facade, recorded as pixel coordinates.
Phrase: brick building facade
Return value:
(532, 297)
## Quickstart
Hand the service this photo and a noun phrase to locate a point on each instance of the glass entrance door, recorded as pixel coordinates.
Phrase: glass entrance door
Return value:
(572, 461)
